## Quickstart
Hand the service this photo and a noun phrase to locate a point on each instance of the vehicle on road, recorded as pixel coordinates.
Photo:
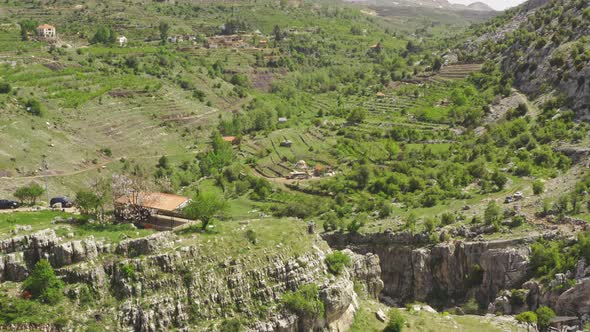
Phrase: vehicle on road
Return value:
(8, 204)
(64, 201)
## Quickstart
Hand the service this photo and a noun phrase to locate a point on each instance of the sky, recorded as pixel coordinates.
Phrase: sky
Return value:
(496, 4)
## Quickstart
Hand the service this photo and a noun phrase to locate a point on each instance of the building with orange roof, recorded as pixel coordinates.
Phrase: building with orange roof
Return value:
(46, 31)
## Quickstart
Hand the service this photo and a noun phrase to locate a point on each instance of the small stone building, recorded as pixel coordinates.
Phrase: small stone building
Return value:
(46, 31)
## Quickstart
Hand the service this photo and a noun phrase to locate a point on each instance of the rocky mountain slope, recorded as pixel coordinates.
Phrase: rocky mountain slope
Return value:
(166, 281)
(544, 47)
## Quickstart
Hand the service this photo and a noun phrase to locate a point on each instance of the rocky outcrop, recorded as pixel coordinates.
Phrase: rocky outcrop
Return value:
(146, 245)
(575, 299)
(412, 270)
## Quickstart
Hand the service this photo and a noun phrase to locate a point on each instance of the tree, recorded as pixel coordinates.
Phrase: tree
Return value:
(528, 318)
(164, 29)
(26, 27)
(204, 206)
(538, 187)
(499, 180)
(29, 193)
(396, 321)
(357, 115)
(544, 316)
(305, 302)
(104, 35)
(492, 213)
(5, 87)
(43, 284)
(87, 201)
(34, 107)
(276, 31)
(337, 261)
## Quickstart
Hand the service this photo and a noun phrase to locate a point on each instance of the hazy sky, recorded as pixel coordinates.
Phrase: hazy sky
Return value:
(496, 4)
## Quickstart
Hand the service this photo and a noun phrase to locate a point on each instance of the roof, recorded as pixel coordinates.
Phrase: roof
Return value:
(229, 138)
(45, 26)
(159, 201)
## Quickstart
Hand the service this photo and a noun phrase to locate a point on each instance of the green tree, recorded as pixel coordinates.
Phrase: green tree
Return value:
(26, 27)
(538, 187)
(5, 87)
(43, 284)
(204, 206)
(492, 213)
(88, 202)
(544, 316)
(337, 261)
(357, 115)
(528, 318)
(104, 35)
(305, 302)
(29, 193)
(164, 29)
(396, 321)
(34, 107)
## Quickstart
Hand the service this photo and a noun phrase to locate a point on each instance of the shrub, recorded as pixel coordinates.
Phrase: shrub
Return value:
(518, 297)
(492, 213)
(128, 271)
(34, 107)
(355, 225)
(447, 218)
(518, 221)
(5, 87)
(527, 317)
(336, 262)
(471, 307)
(43, 284)
(544, 316)
(251, 236)
(304, 302)
(538, 187)
(396, 321)
(231, 325)
(29, 193)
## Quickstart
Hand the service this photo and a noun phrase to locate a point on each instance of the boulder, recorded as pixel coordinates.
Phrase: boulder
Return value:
(145, 245)
(575, 299)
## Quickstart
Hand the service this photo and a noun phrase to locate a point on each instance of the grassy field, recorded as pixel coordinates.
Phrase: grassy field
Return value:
(365, 320)
(43, 220)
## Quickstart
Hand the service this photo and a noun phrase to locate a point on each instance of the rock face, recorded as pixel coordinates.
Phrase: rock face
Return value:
(159, 287)
(575, 299)
(412, 271)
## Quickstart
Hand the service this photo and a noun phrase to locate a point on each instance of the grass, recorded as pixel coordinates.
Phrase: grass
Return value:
(42, 220)
(366, 321)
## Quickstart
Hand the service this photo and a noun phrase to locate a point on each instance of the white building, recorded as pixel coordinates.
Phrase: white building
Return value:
(46, 31)
(122, 40)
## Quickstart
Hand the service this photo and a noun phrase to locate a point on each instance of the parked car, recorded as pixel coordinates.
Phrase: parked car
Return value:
(8, 204)
(64, 201)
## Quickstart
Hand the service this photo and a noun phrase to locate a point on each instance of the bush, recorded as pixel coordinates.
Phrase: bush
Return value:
(251, 236)
(538, 187)
(396, 321)
(518, 297)
(34, 107)
(231, 325)
(29, 193)
(518, 221)
(336, 262)
(527, 317)
(355, 225)
(128, 271)
(471, 307)
(544, 316)
(492, 213)
(5, 87)
(43, 284)
(304, 302)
